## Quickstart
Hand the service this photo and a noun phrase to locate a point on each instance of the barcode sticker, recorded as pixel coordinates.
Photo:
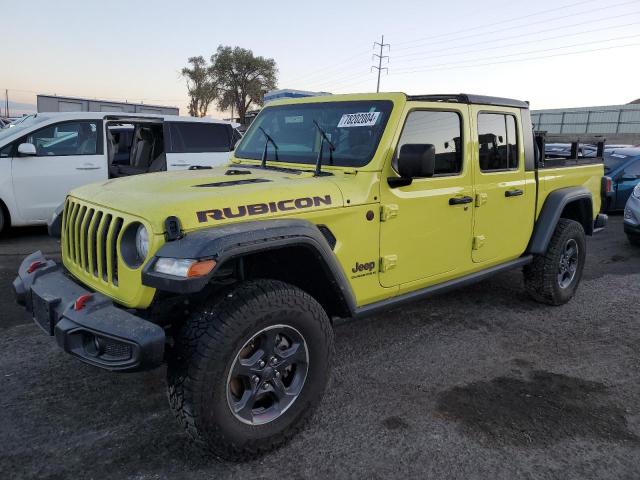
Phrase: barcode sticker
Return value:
(362, 119)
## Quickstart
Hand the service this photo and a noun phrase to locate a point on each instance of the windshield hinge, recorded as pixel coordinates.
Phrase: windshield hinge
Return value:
(387, 212)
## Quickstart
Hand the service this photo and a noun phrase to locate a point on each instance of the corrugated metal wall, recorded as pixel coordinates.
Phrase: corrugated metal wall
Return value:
(614, 119)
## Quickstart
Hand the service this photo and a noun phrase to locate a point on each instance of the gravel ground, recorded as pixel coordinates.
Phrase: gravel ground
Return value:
(480, 383)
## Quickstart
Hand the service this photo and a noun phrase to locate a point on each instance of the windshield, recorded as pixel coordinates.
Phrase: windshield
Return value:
(22, 125)
(354, 128)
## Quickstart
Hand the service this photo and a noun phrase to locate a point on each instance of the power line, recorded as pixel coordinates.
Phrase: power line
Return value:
(625, 37)
(529, 24)
(520, 35)
(522, 59)
(334, 66)
(536, 40)
(380, 56)
(512, 19)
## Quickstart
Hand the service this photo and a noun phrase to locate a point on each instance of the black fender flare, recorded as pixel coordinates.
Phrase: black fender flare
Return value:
(236, 240)
(549, 216)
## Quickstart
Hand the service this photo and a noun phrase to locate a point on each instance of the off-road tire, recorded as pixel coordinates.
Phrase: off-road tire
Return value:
(541, 276)
(205, 348)
(634, 239)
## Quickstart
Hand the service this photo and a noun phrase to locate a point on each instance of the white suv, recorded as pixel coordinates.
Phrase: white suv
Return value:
(48, 154)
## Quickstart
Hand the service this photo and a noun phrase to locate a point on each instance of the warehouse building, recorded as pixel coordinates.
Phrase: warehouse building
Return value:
(617, 123)
(54, 103)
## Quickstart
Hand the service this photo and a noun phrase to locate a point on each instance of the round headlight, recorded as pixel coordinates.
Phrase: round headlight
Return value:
(636, 191)
(142, 242)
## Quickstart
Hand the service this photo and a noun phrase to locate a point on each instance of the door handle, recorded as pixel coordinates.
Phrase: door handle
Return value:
(513, 193)
(180, 164)
(460, 200)
(88, 166)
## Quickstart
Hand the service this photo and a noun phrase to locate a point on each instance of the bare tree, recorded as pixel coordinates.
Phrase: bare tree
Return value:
(243, 78)
(201, 85)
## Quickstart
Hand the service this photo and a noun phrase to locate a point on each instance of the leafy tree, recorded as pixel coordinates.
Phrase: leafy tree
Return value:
(242, 77)
(201, 85)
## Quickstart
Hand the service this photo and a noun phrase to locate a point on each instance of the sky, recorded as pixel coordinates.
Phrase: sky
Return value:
(554, 53)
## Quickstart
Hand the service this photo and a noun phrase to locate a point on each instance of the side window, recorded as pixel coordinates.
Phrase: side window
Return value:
(441, 129)
(192, 137)
(69, 138)
(497, 142)
(633, 170)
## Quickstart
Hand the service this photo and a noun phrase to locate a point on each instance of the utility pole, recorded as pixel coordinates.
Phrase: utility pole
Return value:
(380, 56)
(6, 102)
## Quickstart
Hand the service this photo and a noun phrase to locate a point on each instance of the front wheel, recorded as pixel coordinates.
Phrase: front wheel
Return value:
(553, 278)
(249, 368)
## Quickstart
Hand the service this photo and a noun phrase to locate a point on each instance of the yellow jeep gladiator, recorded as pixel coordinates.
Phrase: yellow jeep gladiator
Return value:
(331, 207)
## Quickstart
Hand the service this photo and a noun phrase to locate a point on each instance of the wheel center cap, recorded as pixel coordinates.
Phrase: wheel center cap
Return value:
(268, 373)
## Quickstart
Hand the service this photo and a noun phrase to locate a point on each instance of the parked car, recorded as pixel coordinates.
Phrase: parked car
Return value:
(45, 155)
(632, 217)
(337, 206)
(622, 174)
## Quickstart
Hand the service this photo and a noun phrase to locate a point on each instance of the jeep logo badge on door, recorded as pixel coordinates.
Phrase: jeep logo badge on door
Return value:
(362, 269)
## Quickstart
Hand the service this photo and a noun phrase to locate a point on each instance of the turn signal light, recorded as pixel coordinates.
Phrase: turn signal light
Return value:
(200, 269)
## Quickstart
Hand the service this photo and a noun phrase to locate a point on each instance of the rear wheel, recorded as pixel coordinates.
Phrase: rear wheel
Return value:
(553, 278)
(249, 368)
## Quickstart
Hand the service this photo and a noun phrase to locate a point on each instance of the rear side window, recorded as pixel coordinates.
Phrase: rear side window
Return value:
(440, 129)
(186, 137)
(497, 142)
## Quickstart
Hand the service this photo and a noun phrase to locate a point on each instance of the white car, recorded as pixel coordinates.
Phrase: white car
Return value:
(47, 154)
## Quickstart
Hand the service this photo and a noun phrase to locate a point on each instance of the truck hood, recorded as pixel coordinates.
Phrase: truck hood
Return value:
(201, 198)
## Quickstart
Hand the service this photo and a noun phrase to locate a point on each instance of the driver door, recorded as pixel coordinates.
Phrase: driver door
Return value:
(425, 232)
(68, 155)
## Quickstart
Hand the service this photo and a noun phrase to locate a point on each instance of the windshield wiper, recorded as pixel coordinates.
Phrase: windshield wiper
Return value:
(263, 164)
(332, 147)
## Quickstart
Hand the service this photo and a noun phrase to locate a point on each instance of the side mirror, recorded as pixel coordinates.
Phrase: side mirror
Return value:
(27, 150)
(417, 160)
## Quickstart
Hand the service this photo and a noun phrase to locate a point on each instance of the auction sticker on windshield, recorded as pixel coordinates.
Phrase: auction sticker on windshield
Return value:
(362, 119)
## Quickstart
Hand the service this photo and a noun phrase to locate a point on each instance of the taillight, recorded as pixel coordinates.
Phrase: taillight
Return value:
(606, 185)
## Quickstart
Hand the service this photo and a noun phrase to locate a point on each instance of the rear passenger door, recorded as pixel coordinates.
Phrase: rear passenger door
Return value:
(504, 201)
(203, 144)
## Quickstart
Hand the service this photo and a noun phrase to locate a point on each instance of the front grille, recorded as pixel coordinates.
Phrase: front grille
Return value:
(91, 240)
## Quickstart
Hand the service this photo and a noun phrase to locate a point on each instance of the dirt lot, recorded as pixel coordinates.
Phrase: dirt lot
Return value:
(482, 383)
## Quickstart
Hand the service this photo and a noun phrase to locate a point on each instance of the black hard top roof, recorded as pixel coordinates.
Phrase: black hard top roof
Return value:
(469, 98)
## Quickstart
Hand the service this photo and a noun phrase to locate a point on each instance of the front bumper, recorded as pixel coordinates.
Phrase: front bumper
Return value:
(94, 330)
